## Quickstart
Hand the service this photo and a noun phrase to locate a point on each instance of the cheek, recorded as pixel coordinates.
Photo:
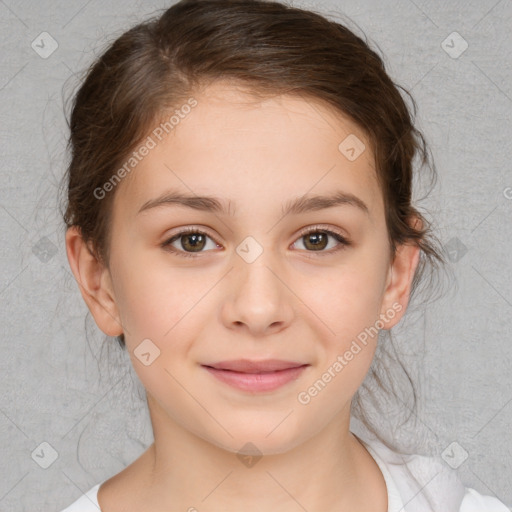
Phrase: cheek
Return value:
(346, 299)
(149, 299)
(346, 304)
(346, 309)
(161, 309)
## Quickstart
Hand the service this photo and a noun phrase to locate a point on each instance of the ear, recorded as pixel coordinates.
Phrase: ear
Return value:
(94, 281)
(399, 282)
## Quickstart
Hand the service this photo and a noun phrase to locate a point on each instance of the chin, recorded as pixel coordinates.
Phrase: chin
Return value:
(254, 441)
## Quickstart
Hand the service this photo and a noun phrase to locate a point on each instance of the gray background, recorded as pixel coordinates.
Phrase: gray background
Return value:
(80, 394)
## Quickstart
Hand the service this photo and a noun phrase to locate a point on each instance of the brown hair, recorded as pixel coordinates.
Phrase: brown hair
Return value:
(272, 49)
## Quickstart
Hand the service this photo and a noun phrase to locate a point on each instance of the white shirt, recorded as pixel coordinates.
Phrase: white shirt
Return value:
(429, 477)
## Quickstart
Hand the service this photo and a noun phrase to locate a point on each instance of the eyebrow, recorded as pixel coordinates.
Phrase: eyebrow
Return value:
(295, 206)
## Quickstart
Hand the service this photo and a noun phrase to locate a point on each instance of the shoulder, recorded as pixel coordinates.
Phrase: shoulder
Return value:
(444, 481)
(475, 502)
(442, 487)
(88, 502)
(427, 483)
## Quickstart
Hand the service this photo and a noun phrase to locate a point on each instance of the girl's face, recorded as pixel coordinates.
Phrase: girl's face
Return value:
(247, 282)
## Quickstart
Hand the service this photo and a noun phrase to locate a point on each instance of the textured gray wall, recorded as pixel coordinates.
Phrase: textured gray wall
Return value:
(80, 396)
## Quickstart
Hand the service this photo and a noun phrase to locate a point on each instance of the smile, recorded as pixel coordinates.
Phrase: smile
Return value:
(258, 381)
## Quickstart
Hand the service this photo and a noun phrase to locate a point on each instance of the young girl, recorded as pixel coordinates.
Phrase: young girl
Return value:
(239, 216)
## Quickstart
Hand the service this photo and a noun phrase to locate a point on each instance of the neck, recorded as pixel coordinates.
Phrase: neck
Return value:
(327, 471)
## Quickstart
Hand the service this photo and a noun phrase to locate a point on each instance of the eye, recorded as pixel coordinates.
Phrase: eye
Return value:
(316, 239)
(190, 240)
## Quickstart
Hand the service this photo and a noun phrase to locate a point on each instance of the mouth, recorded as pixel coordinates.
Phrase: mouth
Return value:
(256, 376)
(254, 366)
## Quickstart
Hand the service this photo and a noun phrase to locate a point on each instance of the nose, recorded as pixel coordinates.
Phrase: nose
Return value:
(257, 299)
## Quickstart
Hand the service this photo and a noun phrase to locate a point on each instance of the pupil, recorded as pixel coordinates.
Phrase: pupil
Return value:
(316, 239)
(196, 241)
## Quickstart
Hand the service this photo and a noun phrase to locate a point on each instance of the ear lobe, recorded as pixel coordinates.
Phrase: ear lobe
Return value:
(398, 289)
(94, 281)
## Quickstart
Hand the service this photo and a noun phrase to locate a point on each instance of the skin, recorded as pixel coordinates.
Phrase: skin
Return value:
(291, 303)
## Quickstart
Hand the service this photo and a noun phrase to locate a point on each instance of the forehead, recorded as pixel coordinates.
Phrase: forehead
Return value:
(237, 145)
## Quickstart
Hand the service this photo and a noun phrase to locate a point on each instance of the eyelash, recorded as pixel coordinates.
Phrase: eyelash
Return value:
(343, 242)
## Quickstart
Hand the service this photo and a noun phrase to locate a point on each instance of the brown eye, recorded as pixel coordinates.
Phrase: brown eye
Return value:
(188, 242)
(316, 240)
(193, 242)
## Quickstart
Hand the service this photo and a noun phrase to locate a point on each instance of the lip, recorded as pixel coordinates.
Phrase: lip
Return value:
(256, 376)
(254, 366)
